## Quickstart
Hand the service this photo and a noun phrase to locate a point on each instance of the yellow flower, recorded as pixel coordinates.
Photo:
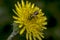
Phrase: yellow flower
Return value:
(31, 19)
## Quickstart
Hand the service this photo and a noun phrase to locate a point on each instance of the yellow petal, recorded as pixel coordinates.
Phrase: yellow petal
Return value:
(15, 12)
(20, 26)
(19, 5)
(15, 17)
(16, 21)
(17, 9)
(22, 30)
(36, 9)
(45, 23)
(22, 3)
(38, 37)
(41, 34)
(29, 5)
(26, 4)
(44, 28)
(30, 37)
(34, 38)
(32, 6)
(27, 36)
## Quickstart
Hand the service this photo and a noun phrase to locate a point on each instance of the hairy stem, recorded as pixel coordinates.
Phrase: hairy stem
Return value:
(14, 32)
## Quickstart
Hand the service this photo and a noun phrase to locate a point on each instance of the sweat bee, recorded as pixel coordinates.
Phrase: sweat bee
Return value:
(33, 15)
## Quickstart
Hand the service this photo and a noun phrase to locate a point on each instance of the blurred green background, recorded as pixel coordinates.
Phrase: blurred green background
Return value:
(51, 8)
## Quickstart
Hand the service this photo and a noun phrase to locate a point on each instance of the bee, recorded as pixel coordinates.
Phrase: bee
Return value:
(33, 15)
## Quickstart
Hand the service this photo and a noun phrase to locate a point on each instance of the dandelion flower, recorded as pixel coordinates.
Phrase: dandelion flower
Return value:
(31, 19)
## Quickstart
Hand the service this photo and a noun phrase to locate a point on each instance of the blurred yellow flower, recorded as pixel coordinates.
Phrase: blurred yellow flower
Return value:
(30, 19)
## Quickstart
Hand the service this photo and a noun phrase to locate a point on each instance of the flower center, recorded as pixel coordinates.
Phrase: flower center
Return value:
(32, 18)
